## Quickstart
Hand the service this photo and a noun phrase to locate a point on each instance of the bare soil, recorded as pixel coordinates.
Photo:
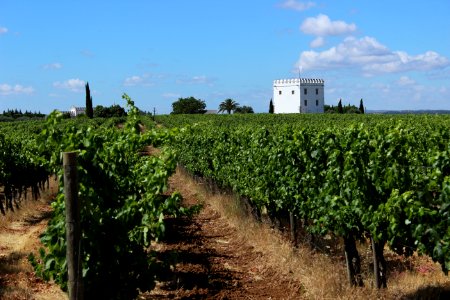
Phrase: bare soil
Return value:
(212, 256)
(19, 236)
(208, 259)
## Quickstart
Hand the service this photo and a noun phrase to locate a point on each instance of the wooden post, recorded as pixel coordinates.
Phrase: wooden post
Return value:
(72, 226)
(292, 229)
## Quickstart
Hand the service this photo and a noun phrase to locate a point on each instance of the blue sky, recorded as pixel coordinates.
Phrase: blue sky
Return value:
(393, 54)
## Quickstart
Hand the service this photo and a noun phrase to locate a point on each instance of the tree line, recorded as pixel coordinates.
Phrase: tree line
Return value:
(14, 114)
(347, 109)
(192, 105)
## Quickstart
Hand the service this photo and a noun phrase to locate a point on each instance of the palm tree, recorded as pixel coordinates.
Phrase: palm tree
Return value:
(228, 105)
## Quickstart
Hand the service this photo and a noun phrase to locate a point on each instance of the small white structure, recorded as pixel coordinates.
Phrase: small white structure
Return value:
(299, 95)
(76, 111)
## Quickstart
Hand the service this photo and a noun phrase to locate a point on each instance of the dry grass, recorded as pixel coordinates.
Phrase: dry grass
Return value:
(19, 235)
(322, 276)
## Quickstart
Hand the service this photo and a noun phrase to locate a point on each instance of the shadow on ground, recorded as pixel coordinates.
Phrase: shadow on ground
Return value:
(188, 266)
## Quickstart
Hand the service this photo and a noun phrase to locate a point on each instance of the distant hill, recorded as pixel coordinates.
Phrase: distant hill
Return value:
(416, 112)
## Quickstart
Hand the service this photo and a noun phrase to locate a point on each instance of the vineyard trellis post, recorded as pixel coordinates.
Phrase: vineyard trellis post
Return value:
(73, 232)
(292, 228)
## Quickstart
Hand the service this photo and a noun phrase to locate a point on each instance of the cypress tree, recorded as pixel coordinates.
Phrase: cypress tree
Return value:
(271, 107)
(340, 108)
(89, 108)
(361, 106)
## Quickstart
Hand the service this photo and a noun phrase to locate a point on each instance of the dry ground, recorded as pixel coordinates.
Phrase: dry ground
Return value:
(19, 235)
(210, 259)
(221, 253)
(224, 254)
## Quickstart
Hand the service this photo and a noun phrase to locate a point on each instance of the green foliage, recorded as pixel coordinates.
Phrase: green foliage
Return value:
(11, 115)
(340, 110)
(347, 109)
(244, 110)
(21, 168)
(109, 112)
(271, 107)
(188, 106)
(349, 175)
(124, 202)
(361, 106)
(228, 105)
(89, 108)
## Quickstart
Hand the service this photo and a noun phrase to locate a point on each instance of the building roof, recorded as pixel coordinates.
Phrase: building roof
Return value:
(78, 108)
(298, 80)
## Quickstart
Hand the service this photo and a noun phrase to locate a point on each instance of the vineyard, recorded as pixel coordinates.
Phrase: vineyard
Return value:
(382, 180)
(122, 191)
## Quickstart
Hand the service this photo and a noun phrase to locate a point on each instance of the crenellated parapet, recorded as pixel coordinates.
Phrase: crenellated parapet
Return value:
(299, 80)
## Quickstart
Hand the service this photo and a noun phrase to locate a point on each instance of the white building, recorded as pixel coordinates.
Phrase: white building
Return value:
(299, 95)
(76, 111)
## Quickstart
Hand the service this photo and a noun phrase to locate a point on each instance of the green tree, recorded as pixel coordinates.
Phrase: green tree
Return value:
(228, 105)
(351, 109)
(329, 109)
(89, 108)
(361, 106)
(108, 112)
(100, 111)
(189, 105)
(244, 110)
(271, 107)
(117, 111)
(340, 108)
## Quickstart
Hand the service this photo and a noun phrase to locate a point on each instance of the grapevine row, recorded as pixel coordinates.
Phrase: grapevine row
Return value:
(21, 169)
(383, 177)
(124, 202)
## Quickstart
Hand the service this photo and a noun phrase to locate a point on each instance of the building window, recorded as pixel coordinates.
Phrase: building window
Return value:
(306, 102)
(317, 91)
(279, 92)
(293, 92)
(317, 102)
(305, 91)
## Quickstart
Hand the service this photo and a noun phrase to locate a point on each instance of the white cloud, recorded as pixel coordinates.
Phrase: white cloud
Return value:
(323, 26)
(171, 95)
(133, 80)
(52, 66)
(3, 30)
(7, 89)
(405, 80)
(371, 57)
(74, 85)
(296, 5)
(317, 42)
(202, 79)
(141, 80)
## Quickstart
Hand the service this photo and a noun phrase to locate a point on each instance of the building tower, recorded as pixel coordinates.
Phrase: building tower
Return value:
(300, 95)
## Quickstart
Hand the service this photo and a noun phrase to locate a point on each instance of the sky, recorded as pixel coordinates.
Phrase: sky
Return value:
(393, 54)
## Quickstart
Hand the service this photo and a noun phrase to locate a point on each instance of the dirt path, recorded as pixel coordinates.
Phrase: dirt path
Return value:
(210, 259)
(211, 256)
(18, 238)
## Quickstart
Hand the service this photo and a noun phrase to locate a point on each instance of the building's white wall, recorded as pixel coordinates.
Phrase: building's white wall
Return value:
(286, 98)
(75, 111)
(292, 97)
